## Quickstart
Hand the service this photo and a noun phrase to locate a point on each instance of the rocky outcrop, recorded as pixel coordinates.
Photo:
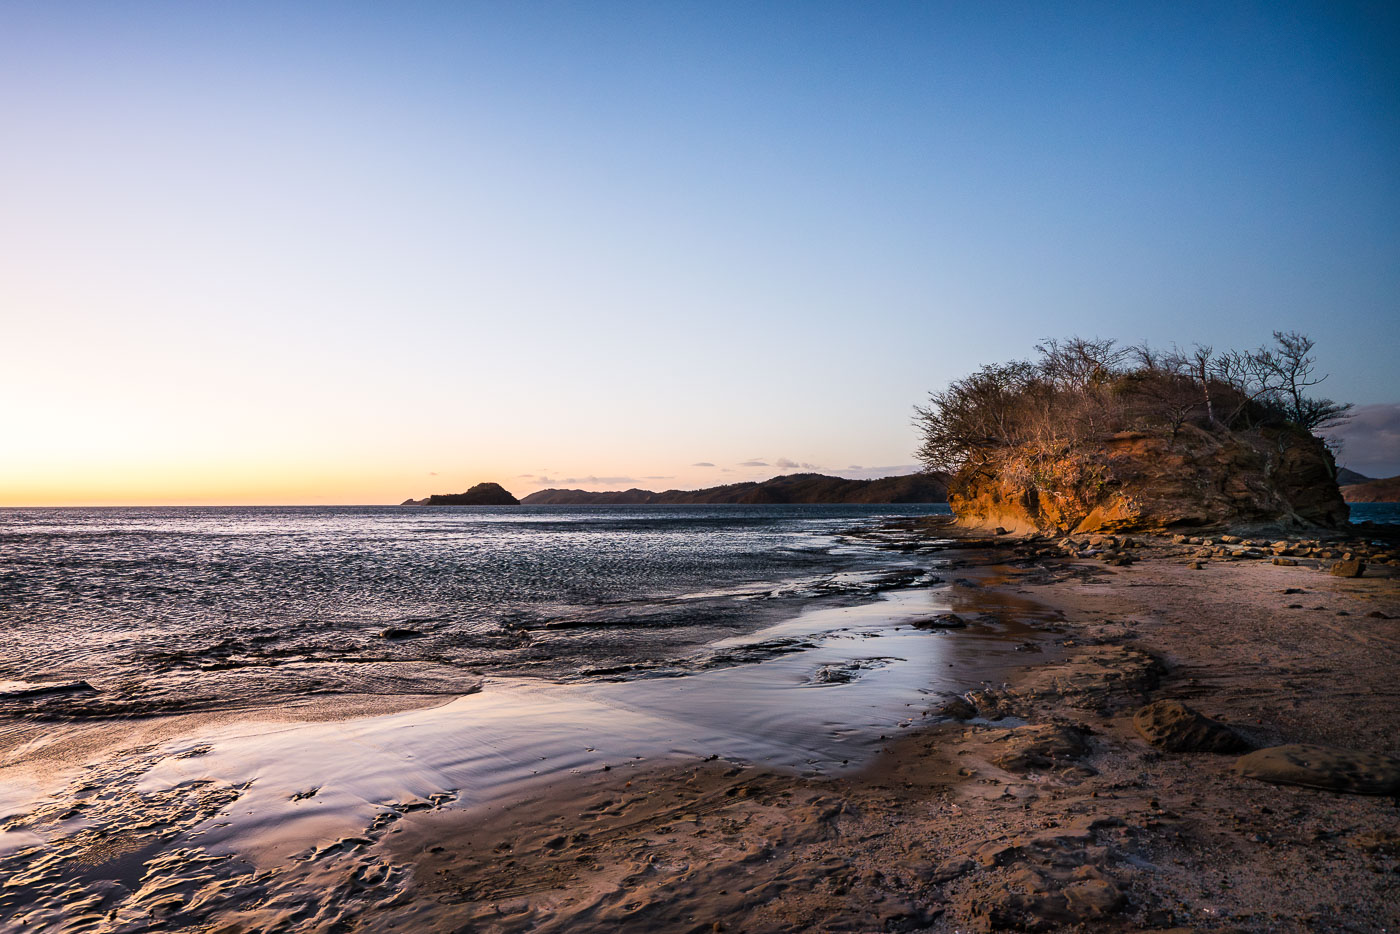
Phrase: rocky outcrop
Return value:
(483, 494)
(1138, 481)
(790, 488)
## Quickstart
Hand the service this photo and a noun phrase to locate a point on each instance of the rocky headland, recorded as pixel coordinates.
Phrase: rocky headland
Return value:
(1096, 438)
(1141, 480)
(789, 488)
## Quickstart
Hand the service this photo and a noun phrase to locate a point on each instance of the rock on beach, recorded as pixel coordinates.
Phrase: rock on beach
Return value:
(1344, 770)
(1171, 725)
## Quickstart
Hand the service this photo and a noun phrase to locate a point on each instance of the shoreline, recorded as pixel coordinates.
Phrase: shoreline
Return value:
(1055, 814)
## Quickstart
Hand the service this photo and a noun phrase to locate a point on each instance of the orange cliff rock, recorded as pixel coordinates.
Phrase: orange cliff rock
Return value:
(1137, 481)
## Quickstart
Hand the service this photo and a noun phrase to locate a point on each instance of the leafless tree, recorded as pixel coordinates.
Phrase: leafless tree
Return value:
(1291, 370)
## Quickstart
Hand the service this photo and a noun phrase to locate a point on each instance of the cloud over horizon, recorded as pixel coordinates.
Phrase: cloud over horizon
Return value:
(601, 481)
(1370, 440)
(875, 473)
(753, 463)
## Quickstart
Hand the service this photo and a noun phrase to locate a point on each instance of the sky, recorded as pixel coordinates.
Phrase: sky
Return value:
(359, 252)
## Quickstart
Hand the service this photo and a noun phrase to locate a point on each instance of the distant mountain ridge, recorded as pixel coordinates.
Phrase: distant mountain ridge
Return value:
(797, 488)
(1373, 491)
(1346, 477)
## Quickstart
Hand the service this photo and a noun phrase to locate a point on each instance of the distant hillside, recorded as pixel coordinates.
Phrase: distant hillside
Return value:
(483, 494)
(1347, 477)
(791, 488)
(1373, 491)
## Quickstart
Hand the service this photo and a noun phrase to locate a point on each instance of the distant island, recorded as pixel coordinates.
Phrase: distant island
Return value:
(789, 488)
(483, 494)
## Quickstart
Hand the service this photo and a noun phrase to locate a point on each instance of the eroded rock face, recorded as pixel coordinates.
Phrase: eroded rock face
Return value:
(1139, 481)
(1173, 726)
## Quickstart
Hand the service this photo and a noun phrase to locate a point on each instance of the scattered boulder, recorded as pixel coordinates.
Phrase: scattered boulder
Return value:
(1344, 770)
(1171, 725)
(1352, 568)
(1285, 562)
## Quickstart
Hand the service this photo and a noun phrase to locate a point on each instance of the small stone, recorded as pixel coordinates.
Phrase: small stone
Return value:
(1285, 562)
(1352, 568)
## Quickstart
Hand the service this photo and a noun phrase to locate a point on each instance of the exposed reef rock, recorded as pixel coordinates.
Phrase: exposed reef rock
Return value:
(1140, 481)
(483, 494)
(791, 488)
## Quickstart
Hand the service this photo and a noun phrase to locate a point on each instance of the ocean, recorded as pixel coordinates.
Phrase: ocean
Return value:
(188, 608)
(177, 609)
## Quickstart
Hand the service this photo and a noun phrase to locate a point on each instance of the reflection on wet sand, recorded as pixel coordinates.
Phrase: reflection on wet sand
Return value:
(247, 809)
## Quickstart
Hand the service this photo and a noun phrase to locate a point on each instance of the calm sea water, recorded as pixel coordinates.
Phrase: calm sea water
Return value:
(171, 609)
(1386, 513)
(165, 609)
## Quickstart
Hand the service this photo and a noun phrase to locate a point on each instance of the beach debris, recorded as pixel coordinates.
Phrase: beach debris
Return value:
(1344, 770)
(1175, 727)
(1353, 567)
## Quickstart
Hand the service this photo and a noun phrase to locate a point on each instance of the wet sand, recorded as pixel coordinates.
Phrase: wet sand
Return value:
(827, 786)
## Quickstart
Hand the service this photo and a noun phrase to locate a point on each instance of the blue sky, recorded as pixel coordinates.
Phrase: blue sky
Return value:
(338, 252)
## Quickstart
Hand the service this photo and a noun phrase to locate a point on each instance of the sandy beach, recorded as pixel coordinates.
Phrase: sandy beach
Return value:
(840, 783)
